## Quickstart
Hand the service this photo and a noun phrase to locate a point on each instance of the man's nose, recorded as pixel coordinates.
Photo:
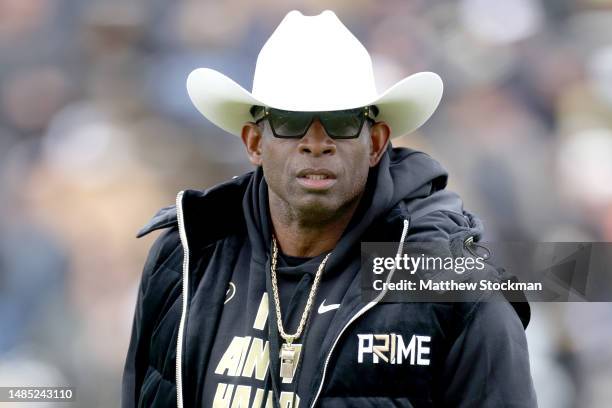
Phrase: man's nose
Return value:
(316, 141)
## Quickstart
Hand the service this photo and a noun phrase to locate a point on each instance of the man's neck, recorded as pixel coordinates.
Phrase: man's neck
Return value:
(298, 236)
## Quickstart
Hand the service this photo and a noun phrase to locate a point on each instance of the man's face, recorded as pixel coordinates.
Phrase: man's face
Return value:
(316, 173)
(315, 177)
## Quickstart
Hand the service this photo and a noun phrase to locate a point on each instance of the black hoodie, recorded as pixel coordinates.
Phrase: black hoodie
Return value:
(476, 352)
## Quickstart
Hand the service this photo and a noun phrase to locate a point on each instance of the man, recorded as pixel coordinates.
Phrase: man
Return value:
(251, 296)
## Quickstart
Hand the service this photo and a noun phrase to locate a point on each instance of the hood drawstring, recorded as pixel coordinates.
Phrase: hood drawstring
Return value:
(185, 296)
(400, 252)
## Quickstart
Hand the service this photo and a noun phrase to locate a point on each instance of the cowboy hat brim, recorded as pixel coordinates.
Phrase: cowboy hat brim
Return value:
(405, 106)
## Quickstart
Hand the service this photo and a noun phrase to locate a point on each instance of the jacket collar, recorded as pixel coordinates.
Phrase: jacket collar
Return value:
(209, 214)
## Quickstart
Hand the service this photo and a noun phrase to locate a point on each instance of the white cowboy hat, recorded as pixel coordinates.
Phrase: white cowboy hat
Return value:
(314, 63)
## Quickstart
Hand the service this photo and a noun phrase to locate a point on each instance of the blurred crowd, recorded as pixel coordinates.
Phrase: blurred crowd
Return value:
(97, 133)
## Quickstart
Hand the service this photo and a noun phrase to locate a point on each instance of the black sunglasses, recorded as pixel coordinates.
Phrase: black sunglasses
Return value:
(340, 124)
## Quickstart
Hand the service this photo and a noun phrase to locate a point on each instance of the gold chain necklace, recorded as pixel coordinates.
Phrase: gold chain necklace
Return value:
(289, 353)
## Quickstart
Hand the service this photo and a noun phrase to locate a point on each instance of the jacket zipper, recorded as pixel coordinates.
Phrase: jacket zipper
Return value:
(355, 316)
(179, 340)
(359, 313)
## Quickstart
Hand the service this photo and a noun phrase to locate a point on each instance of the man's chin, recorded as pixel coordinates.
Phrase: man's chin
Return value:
(316, 210)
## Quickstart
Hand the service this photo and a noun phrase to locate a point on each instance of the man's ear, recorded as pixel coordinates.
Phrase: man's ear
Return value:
(252, 138)
(379, 137)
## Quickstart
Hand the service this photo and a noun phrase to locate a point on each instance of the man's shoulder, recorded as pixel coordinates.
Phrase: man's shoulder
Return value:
(165, 253)
(441, 200)
(163, 218)
(441, 216)
(210, 201)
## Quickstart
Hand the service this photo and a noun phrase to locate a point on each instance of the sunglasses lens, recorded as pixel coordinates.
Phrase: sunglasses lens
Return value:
(344, 124)
(289, 124)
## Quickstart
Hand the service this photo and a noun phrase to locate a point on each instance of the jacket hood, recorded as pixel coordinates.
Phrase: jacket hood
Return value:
(406, 185)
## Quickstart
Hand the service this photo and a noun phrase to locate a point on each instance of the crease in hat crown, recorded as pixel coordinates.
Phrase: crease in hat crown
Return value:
(314, 63)
(316, 58)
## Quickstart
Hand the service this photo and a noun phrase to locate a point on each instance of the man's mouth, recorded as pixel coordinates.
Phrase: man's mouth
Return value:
(316, 179)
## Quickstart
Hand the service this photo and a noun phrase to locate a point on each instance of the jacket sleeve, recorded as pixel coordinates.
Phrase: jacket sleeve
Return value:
(488, 364)
(136, 361)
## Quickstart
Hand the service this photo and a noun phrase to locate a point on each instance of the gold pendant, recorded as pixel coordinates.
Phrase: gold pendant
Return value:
(288, 358)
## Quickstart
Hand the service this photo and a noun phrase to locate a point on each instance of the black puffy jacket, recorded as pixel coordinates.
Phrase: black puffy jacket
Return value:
(476, 351)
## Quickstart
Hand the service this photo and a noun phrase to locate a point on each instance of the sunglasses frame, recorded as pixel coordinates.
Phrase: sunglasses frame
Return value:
(366, 113)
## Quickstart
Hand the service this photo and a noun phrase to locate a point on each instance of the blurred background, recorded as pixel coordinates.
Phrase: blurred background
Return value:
(97, 133)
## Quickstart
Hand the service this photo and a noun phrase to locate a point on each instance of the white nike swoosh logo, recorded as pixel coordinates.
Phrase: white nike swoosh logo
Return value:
(231, 291)
(326, 308)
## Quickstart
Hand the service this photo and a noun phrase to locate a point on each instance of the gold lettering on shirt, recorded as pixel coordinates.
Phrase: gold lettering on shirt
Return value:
(262, 313)
(233, 356)
(286, 400)
(228, 396)
(223, 395)
(259, 396)
(257, 359)
(249, 357)
(241, 397)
